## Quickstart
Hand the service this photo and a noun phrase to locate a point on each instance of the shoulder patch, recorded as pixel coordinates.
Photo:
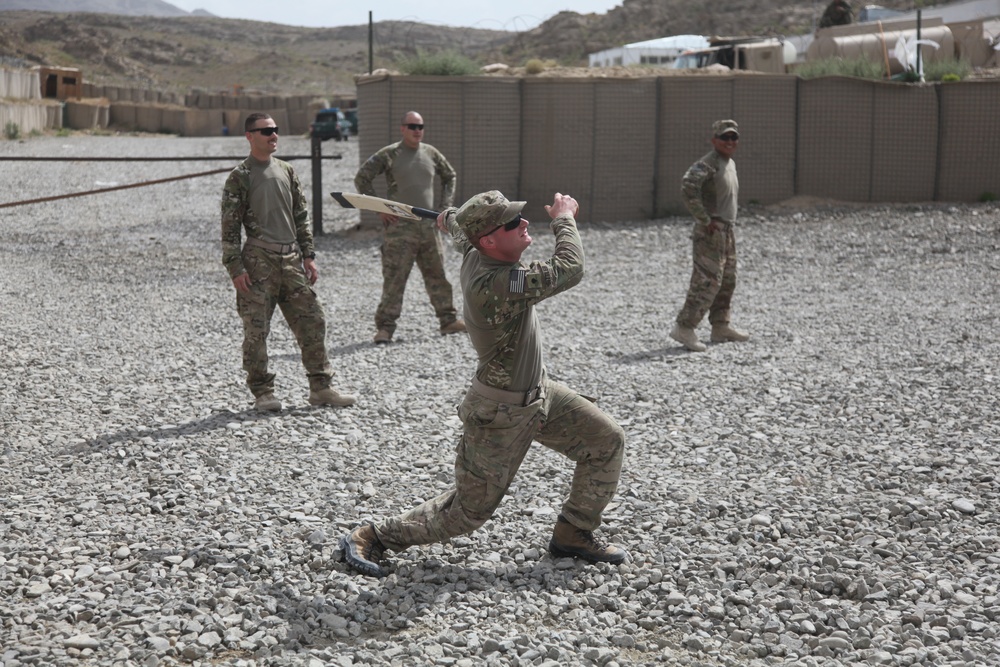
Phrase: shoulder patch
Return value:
(516, 284)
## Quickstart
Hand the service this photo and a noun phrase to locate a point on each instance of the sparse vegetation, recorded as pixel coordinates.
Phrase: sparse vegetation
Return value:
(534, 66)
(12, 130)
(861, 68)
(952, 69)
(443, 63)
(988, 197)
(865, 68)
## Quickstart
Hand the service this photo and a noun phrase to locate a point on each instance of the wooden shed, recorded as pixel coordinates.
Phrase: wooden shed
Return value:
(61, 83)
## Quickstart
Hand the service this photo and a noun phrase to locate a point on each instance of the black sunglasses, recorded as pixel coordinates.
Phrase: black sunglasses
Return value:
(414, 126)
(510, 226)
(266, 131)
(729, 136)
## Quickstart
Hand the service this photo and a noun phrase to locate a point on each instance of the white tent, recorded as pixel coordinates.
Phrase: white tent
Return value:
(660, 52)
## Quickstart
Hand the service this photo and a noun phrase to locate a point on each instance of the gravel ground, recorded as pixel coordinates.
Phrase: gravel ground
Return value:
(825, 494)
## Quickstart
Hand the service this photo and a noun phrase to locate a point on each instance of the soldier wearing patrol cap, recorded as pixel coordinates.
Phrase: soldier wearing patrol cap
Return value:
(511, 401)
(709, 189)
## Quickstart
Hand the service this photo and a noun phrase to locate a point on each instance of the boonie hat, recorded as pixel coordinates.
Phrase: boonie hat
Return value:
(720, 127)
(485, 212)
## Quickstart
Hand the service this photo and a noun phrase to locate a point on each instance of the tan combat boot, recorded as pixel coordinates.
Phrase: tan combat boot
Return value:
(723, 333)
(267, 403)
(688, 338)
(458, 326)
(568, 541)
(382, 337)
(330, 396)
(363, 551)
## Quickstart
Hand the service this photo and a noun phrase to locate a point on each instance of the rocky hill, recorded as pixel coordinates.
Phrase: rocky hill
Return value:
(185, 52)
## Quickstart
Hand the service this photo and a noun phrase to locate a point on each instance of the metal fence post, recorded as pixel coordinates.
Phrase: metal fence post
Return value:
(317, 179)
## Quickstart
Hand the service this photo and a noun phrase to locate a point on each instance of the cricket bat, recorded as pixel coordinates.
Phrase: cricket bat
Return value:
(379, 205)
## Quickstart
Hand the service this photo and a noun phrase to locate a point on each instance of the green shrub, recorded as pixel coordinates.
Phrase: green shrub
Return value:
(861, 68)
(12, 130)
(534, 66)
(951, 69)
(442, 63)
(987, 197)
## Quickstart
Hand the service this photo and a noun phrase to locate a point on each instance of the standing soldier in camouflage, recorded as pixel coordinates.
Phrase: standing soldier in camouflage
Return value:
(511, 400)
(710, 190)
(409, 167)
(275, 267)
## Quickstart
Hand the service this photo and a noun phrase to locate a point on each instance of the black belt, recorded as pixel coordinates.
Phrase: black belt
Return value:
(520, 398)
(282, 248)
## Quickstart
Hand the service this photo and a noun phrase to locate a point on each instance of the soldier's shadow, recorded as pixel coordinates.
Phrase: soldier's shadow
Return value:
(667, 354)
(215, 422)
(423, 584)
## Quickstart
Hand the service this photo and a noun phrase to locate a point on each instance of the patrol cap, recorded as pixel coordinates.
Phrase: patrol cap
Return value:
(720, 127)
(486, 211)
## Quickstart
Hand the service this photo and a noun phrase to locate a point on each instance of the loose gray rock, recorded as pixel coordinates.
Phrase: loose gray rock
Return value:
(822, 494)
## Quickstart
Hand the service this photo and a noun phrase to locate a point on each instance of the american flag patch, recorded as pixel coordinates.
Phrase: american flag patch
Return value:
(517, 281)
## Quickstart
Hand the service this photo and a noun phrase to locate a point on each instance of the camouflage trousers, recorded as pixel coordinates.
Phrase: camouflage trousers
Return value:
(490, 451)
(404, 243)
(713, 279)
(278, 280)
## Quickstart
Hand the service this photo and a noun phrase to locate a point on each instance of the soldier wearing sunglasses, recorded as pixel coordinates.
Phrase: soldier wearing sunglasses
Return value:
(710, 188)
(511, 401)
(410, 167)
(275, 266)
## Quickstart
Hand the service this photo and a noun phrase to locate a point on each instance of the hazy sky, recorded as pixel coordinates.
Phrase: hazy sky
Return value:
(512, 15)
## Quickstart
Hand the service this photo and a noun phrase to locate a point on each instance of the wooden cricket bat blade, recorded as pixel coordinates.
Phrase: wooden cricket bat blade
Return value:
(379, 205)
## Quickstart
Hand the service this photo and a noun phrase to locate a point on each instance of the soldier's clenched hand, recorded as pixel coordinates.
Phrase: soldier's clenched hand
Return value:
(562, 205)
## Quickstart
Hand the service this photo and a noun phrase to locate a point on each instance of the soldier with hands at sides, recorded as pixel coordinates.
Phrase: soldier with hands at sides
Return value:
(275, 266)
(710, 188)
(410, 166)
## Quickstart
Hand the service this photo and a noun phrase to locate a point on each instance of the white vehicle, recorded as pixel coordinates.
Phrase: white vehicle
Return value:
(752, 53)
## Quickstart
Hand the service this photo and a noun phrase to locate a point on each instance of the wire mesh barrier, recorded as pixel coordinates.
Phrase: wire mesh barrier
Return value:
(621, 146)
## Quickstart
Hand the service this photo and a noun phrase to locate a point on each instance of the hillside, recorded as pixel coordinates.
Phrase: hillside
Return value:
(213, 54)
(189, 52)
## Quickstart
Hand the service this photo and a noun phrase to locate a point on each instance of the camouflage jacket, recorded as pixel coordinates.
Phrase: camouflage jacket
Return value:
(237, 214)
(500, 299)
(699, 188)
(382, 162)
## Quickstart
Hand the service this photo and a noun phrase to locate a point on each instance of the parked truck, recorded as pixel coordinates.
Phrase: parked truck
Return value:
(759, 54)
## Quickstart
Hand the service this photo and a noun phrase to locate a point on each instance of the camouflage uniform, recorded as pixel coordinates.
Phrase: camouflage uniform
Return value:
(407, 242)
(277, 278)
(500, 314)
(710, 189)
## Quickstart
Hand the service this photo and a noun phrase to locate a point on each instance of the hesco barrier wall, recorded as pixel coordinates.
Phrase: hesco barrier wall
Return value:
(21, 103)
(204, 114)
(621, 146)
